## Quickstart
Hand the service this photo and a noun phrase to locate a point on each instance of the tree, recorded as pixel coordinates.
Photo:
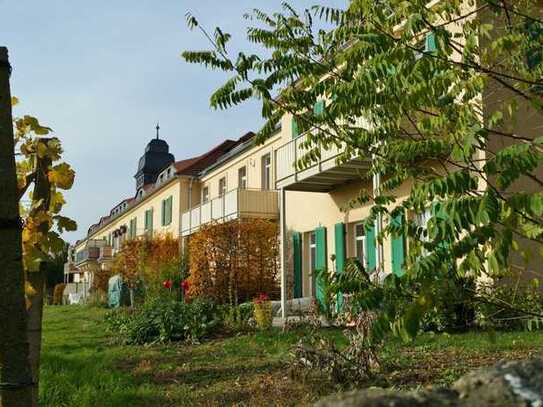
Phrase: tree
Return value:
(440, 91)
(38, 176)
(15, 372)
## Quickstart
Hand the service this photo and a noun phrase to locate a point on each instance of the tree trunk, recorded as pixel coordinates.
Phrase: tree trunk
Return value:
(35, 313)
(15, 375)
(41, 200)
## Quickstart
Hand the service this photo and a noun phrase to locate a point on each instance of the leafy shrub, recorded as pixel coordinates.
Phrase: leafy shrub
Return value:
(511, 308)
(238, 317)
(58, 293)
(165, 320)
(263, 311)
(232, 262)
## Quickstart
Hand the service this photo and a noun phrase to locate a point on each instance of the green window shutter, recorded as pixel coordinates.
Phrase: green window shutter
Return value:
(297, 266)
(163, 213)
(149, 220)
(318, 109)
(320, 261)
(169, 211)
(339, 239)
(398, 249)
(295, 129)
(430, 42)
(133, 226)
(371, 258)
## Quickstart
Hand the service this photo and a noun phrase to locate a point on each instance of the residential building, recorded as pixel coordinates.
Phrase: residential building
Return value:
(164, 188)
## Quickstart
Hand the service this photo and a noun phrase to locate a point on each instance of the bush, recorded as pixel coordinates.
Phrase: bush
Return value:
(165, 320)
(263, 312)
(238, 317)
(511, 308)
(232, 262)
(58, 293)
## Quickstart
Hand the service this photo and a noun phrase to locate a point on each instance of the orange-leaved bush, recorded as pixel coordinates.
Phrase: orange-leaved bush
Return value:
(235, 261)
(149, 261)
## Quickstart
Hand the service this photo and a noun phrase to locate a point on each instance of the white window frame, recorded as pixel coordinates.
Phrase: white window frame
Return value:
(205, 194)
(242, 179)
(266, 171)
(223, 187)
(362, 239)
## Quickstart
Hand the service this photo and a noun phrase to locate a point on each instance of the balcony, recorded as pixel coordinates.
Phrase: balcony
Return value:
(86, 255)
(106, 254)
(236, 204)
(323, 175)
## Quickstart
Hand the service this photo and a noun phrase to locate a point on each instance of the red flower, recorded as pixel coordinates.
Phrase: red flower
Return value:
(167, 284)
(262, 297)
(185, 285)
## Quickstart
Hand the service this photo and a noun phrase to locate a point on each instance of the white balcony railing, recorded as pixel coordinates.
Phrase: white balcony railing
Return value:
(235, 204)
(287, 155)
(321, 174)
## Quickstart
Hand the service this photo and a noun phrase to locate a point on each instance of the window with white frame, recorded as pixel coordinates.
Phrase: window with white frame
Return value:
(242, 178)
(360, 243)
(266, 171)
(222, 186)
(312, 251)
(205, 194)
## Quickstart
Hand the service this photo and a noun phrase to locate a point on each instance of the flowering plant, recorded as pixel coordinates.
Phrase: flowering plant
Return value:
(167, 284)
(262, 297)
(185, 286)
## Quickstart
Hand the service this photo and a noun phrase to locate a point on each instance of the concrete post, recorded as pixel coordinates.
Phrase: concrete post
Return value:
(283, 255)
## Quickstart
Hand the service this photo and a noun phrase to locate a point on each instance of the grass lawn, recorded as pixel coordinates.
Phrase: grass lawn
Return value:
(82, 367)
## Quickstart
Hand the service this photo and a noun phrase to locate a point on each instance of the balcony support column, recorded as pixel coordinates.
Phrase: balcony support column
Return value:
(284, 249)
(380, 255)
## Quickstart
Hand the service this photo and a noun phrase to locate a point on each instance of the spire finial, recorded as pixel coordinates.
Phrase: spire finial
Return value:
(157, 130)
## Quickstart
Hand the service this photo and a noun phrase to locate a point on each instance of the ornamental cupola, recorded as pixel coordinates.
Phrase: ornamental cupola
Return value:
(157, 156)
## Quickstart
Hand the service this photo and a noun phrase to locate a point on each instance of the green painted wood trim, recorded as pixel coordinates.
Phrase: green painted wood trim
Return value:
(294, 127)
(371, 247)
(320, 261)
(398, 249)
(341, 255)
(430, 42)
(318, 109)
(297, 263)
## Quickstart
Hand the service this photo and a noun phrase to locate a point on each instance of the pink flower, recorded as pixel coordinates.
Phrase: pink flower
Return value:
(167, 284)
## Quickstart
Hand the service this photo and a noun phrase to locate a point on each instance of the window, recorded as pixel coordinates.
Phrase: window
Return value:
(266, 171)
(222, 186)
(242, 178)
(205, 194)
(166, 211)
(360, 243)
(133, 231)
(149, 221)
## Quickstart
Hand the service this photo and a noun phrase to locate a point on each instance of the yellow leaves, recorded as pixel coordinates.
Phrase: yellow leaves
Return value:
(14, 101)
(62, 176)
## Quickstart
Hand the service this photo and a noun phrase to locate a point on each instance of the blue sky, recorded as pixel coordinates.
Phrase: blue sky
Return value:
(101, 73)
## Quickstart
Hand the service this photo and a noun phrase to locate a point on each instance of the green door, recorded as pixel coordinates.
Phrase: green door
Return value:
(297, 260)
(371, 258)
(320, 261)
(339, 239)
(398, 249)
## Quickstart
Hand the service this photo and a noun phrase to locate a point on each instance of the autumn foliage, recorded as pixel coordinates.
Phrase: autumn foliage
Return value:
(149, 261)
(234, 262)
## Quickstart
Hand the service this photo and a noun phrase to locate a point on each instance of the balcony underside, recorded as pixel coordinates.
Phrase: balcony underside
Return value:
(325, 176)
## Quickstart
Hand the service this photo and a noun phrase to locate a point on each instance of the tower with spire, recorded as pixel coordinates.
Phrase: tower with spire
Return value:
(156, 157)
